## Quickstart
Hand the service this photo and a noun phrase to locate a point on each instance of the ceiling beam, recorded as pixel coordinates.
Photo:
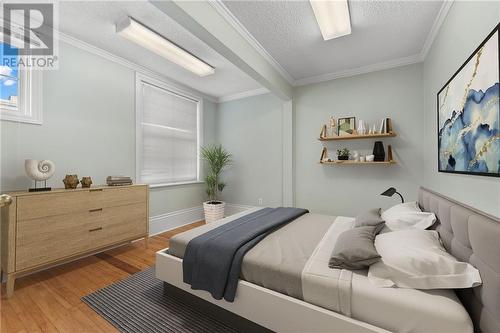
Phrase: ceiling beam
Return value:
(202, 20)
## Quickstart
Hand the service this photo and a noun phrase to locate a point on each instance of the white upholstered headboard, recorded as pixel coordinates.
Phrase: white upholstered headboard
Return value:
(471, 236)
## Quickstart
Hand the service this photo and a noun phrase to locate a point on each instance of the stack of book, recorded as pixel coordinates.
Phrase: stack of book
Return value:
(118, 180)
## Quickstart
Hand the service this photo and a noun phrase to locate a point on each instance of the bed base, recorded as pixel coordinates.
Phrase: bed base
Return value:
(224, 316)
(264, 307)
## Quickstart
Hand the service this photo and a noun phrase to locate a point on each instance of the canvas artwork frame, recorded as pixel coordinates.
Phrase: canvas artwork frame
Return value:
(346, 126)
(468, 114)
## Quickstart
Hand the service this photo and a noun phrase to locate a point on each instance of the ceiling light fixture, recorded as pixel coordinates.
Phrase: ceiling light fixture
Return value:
(147, 38)
(333, 18)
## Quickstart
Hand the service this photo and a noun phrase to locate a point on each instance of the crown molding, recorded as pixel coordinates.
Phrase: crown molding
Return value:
(436, 26)
(222, 9)
(243, 94)
(360, 70)
(416, 58)
(127, 63)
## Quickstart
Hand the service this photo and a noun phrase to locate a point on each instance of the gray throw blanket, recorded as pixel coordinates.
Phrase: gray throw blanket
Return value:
(212, 261)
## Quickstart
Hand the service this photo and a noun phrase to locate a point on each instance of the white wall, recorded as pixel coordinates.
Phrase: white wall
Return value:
(465, 27)
(250, 129)
(89, 129)
(346, 190)
(406, 94)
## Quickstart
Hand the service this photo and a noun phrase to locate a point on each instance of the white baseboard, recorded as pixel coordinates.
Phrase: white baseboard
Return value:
(179, 218)
(172, 220)
(235, 208)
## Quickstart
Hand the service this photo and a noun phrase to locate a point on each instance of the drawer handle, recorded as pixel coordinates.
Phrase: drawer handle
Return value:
(96, 229)
(95, 210)
(96, 190)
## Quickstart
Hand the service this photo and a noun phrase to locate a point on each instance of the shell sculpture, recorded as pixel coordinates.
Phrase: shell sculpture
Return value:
(39, 170)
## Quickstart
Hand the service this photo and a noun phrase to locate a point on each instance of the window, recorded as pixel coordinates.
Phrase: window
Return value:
(19, 90)
(168, 134)
(9, 77)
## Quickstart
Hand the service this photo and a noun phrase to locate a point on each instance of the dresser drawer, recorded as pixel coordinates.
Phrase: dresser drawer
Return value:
(114, 224)
(43, 240)
(42, 229)
(116, 196)
(49, 204)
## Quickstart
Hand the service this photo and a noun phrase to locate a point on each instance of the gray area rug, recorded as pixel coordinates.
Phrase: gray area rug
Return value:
(137, 304)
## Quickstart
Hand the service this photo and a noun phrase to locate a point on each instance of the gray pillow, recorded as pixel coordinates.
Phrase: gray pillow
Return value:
(355, 249)
(370, 217)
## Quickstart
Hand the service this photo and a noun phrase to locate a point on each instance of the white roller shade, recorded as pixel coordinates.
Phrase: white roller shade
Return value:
(169, 126)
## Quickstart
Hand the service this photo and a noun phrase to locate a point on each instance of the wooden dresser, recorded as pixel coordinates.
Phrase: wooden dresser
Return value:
(42, 229)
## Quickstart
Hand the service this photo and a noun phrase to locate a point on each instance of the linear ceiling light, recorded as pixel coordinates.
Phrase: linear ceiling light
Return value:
(139, 34)
(333, 18)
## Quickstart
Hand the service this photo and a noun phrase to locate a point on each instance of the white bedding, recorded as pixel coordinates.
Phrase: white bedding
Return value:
(395, 309)
(294, 261)
(322, 285)
(407, 310)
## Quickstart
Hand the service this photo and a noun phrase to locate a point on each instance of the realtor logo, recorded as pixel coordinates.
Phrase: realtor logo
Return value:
(29, 35)
(22, 21)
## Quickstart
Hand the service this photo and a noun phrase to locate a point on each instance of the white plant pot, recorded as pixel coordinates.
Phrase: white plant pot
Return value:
(213, 212)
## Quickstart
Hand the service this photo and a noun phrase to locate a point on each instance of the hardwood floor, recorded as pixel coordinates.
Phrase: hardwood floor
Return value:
(49, 301)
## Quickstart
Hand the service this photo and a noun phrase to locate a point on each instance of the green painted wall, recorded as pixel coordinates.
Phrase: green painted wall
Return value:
(346, 190)
(88, 129)
(465, 27)
(250, 128)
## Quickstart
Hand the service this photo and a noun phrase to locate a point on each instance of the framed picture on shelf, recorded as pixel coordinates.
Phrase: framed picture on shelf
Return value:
(468, 114)
(346, 126)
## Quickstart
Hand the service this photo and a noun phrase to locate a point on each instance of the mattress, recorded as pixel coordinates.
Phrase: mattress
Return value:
(279, 261)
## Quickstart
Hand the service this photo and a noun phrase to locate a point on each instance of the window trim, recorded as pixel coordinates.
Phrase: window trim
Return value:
(171, 87)
(29, 109)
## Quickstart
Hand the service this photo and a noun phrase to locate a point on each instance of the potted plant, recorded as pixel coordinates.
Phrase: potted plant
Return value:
(217, 158)
(343, 154)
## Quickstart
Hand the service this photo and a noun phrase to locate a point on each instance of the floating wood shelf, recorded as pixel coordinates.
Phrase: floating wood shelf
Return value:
(350, 162)
(358, 136)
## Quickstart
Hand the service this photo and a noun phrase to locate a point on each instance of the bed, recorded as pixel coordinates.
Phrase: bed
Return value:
(272, 291)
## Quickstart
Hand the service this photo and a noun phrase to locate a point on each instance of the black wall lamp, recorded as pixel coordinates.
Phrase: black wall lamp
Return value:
(390, 192)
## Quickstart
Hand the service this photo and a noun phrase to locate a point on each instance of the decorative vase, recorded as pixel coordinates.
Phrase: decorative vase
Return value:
(214, 210)
(355, 156)
(70, 181)
(333, 127)
(86, 182)
(361, 127)
(39, 171)
(378, 151)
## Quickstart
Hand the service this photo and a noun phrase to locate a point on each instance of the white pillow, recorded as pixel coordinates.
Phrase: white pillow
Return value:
(407, 215)
(415, 258)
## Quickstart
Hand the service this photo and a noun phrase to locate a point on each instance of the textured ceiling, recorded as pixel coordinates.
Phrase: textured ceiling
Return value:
(381, 31)
(94, 22)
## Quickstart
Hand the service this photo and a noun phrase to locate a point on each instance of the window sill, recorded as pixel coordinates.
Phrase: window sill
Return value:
(20, 118)
(153, 186)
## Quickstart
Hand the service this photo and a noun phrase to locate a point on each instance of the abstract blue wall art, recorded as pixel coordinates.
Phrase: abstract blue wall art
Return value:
(469, 114)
